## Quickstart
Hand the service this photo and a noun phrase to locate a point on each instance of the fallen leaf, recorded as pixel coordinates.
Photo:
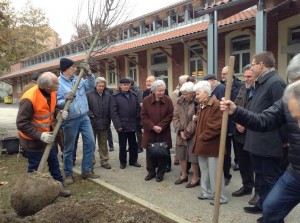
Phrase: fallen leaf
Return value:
(120, 201)
(196, 219)
(3, 183)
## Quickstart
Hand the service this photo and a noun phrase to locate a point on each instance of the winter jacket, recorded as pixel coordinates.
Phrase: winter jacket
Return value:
(208, 129)
(273, 118)
(125, 111)
(79, 105)
(100, 107)
(158, 113)
(268, 89)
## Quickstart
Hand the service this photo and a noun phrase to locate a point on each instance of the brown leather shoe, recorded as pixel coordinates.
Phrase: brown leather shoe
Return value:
(180, 181)
(89, 176)
(176, 162)
(191, 185)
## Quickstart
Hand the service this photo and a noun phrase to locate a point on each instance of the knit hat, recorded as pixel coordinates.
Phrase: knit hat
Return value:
(65, 64)
(124, 81)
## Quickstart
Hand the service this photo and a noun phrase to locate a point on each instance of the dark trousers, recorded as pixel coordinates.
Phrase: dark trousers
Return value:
(152, 163)
(133, 147)
(245, 164)
(267, 172)
(227, 157)
(109, 138)
(34, 159)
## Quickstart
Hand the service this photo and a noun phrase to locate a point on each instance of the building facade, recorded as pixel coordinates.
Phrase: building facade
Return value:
(191, 37)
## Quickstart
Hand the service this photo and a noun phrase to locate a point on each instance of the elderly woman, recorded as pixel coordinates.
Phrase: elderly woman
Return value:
(156, 116)
(207, 140)
(185, 128)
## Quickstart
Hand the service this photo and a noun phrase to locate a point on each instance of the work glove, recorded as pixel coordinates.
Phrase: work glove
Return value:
(47, 137)
(64, 114)
(70, 96)
(86, 67)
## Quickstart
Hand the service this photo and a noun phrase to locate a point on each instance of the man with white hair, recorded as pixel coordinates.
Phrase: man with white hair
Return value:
(35, 121)
(99, 102)
(175, 94)
(285, 194)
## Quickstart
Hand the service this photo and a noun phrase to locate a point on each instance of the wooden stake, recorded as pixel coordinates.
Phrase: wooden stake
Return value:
(222, 142)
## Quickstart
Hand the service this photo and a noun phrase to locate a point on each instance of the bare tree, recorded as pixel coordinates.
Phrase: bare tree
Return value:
(103, 16)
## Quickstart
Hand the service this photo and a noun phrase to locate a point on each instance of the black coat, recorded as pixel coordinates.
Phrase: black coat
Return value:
(268, 89)
(125, 112)
(100, 109)
(243, 99)
(272, 118)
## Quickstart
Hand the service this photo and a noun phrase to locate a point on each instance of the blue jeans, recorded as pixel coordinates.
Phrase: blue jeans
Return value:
(34, 159)
(284, 196)
(71, 128)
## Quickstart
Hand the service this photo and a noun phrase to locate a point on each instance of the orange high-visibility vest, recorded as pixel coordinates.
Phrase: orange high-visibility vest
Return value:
(43, 115)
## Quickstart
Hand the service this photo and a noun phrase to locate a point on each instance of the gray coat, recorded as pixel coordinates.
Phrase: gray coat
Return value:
(268, 89)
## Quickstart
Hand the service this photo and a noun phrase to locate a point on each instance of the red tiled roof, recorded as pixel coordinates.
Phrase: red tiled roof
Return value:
(169, 35)
(218, 4)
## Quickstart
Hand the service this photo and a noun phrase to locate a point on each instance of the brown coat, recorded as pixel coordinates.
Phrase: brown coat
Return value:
(183, 120)
(160, 114)
(208, 129)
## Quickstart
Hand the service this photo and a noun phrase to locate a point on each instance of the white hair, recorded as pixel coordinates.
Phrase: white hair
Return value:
(45, 80)
(187, 87)
(182, 79)
(156, 84)
(101, 79)
(203, 86)
(293, 69)
(292, 91)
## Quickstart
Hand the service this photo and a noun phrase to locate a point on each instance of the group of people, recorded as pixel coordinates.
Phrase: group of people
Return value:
(259, 132)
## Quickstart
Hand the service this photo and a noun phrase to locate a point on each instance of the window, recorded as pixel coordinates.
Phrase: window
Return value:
(295, 35)
(148, 27)
(162, 23)
(159, 58)
(132, 68)
(196, 65)
(111, 74)
(240, 48)
(177, 18)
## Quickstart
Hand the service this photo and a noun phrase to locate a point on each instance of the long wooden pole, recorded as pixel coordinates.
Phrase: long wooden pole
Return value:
(67, 105)
(223, 142)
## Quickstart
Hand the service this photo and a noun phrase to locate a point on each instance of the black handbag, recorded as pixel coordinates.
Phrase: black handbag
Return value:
(158, 149)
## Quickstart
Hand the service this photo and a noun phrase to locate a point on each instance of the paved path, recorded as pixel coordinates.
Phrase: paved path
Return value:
(173, 198)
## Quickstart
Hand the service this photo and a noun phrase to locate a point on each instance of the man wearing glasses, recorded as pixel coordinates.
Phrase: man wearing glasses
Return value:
(266, 149)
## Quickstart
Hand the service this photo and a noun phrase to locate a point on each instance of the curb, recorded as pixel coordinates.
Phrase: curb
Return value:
(166, 215)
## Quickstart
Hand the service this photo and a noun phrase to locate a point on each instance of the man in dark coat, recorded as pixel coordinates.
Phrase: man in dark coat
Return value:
(125, 116)
(99, 102)
(230, 141)
(285, 194)
(266, 149)
(243, 99)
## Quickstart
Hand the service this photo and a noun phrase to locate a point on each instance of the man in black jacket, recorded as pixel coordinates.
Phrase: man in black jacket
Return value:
(285, 194)
(100, 105)
(125, 116)
(243, 99)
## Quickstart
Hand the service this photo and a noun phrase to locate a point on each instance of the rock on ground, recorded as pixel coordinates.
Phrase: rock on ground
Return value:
(33, 192)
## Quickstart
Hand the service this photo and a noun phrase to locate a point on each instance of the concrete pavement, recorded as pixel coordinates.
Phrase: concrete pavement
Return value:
(165, 197)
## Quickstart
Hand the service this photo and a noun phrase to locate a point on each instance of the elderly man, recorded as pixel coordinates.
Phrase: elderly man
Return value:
(34, 122)
(78, 120)
(243, 99)
(217, 88)
(100, 104)
(285, 194)
(125, 115)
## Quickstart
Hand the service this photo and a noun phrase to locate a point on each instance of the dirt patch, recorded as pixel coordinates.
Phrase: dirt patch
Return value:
(89, 202)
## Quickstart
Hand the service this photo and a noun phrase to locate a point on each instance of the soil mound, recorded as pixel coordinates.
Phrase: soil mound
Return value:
(33, 192)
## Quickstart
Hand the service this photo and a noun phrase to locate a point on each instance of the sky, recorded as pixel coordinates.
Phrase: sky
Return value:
(62, 13)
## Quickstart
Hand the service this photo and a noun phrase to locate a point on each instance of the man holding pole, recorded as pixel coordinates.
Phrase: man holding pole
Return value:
(78, 120)
(34, 122)
(285, 194)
